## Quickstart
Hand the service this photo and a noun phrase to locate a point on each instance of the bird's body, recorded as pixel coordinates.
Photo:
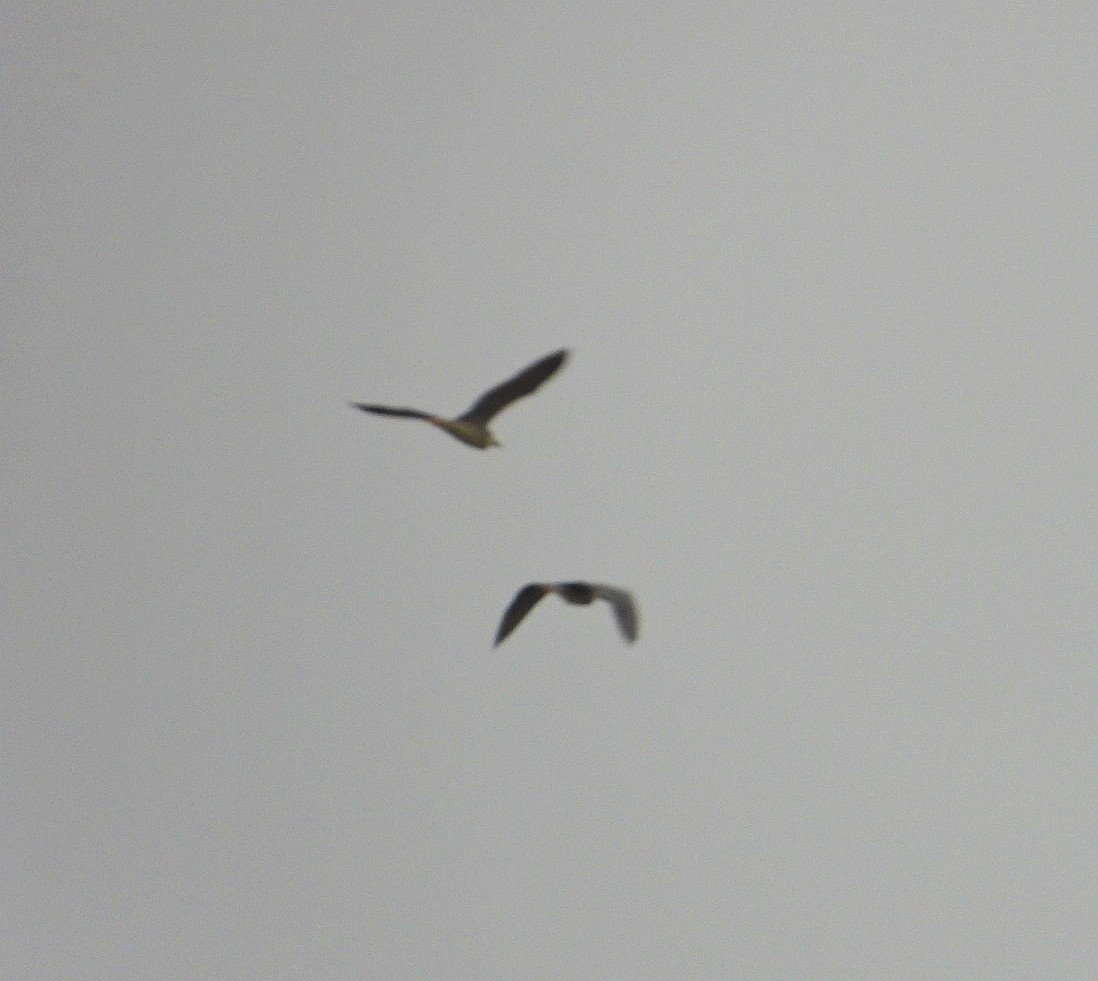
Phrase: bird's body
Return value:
(471, 427)
(576, 593)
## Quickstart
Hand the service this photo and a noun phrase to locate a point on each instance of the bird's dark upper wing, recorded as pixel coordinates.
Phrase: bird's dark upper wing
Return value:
(625, 610)
(385, 410)
(522, 384)
(525, 600)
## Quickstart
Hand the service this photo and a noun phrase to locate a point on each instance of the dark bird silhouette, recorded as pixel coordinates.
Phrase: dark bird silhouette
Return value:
(578, 593)
(472, 425)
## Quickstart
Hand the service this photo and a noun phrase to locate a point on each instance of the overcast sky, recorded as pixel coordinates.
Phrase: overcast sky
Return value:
(828, 275)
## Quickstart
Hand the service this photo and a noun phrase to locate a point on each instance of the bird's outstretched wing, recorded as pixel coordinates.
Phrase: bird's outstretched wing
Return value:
(625, 610)
(386, 410)
(498, 398)
(525, 600)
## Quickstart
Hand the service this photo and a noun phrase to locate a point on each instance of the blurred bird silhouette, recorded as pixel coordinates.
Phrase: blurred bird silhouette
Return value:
(578, 593)
(472, 425)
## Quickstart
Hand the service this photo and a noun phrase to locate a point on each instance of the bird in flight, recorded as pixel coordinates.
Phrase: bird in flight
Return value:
(472, 425)
(577, 593)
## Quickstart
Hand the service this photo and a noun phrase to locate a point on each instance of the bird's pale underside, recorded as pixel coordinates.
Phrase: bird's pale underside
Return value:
(577, 593)
(471, 426)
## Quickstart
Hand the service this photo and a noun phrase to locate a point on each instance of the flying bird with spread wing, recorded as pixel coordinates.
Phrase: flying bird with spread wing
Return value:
(472, 425)
(577, 593)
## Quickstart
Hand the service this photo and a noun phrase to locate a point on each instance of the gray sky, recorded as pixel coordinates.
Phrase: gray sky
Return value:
(828, 275)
